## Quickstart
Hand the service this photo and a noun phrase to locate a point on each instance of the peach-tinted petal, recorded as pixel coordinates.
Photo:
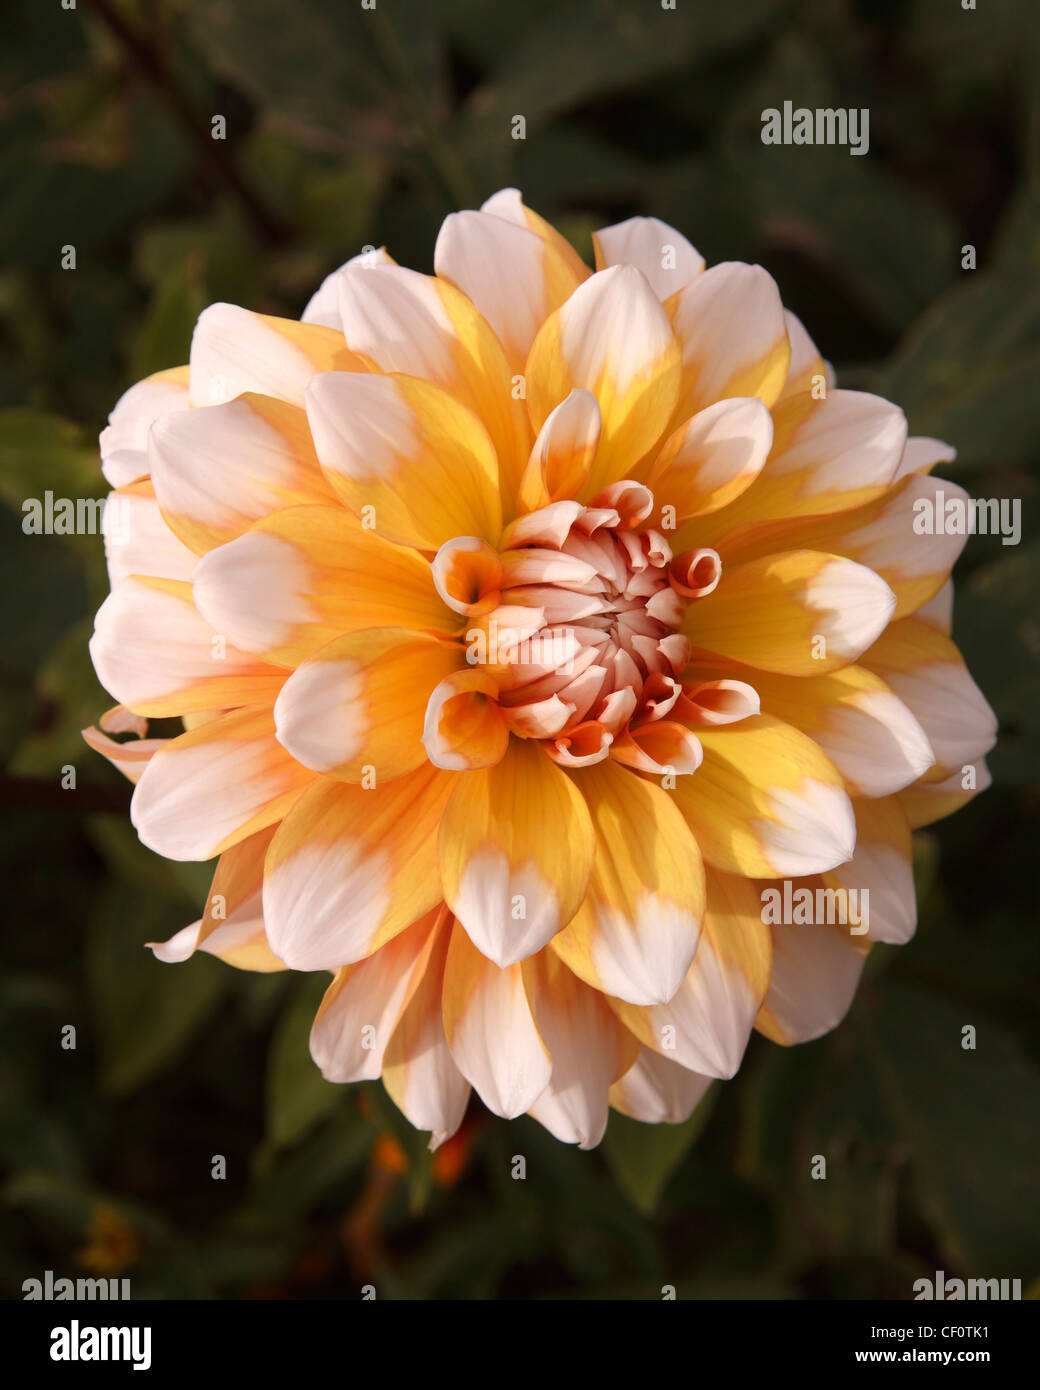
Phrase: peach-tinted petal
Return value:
(353, 865)
(637, 929)
(214, 786)
(706, 1025)
(664, 255)
(234, 350)
(361, 1006)
(516, 851)
(797, 613)
(356, 707)
(926, 802)
(514, 277)
(124, 441)
(463, 726)
(711, 459)
(491, 1031)
(562, 457)
(138, 540)
(816, 969)
(158, 656)
(766, 802)
(730, 324)
(232, 926)
(612, 338)
(130, 758)
(219, 468)
(306, 575)
(419, 1072)
(840, 455)
(402, 451)
(508, 204)
(657, 1090)
(881, 872)
(928, 674)
(869, 733)
(323, 305)
(420, 325)
(589, 1048)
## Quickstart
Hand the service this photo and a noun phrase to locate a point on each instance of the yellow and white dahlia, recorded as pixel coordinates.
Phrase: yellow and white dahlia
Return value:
(529, 625)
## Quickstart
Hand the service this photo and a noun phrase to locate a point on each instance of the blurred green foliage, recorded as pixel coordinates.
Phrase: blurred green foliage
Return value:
(347, 128)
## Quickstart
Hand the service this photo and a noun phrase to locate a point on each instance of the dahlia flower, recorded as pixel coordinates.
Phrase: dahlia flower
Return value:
(527, 624)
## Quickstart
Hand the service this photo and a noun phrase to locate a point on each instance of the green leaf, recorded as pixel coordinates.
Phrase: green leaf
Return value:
(996, 629)
(971, 1122)
(39, 451)
(587, 52)
(71, 696)
(643, 1157)
(298, 1096)
(332, 66)
(967, 371)
(891, 247)
(164, 337)
(144, 1012)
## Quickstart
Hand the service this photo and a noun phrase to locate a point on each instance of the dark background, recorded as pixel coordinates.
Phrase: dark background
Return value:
(347, 128)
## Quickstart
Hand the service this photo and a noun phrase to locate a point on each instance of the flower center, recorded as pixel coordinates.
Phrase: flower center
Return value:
(576, 618)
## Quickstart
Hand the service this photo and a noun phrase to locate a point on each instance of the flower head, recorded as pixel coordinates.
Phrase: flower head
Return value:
(550, 644)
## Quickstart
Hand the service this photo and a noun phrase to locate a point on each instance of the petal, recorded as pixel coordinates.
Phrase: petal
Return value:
(798, 613)
(938, 611)
(662, 748)
(657, 1090)
(323, 305)
(404, 322)
(928, 673)
(563, 453)
(637, 930)
(130, 758)
(711, 459)
(232, 927)
(841, 454)
(710, 702)
(895, 536)
(869, 734)
(361, 1007)
(490, 1029)
(730, 324)
(307, 575)
(706, 1026)
(807, 370)
(508, 204)
(766, 802)
(352, 866)
(816, 970)
(219, 468)
(419, 1072)
(513, 276)
(356, 708)
(234, 350)
(138, 540)
(926, 802)
(922, 454)
(124, 442)
(589, 1049)
(463, 726)
(612, 338)
(403, 451)
(881, 872)
(155, 653)
(516, 851)
(664, 255)
(215, 785)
